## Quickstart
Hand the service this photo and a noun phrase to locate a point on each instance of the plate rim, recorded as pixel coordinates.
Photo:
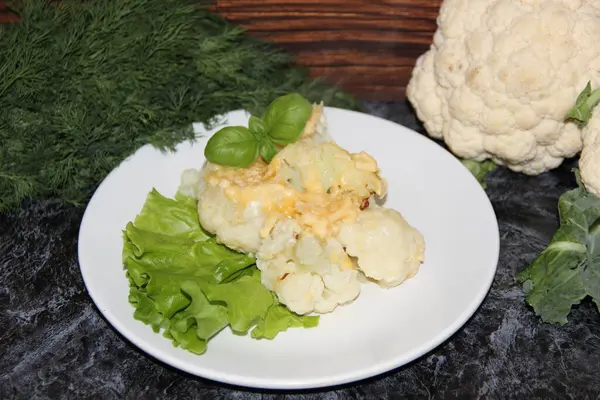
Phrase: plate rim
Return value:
(358, 375)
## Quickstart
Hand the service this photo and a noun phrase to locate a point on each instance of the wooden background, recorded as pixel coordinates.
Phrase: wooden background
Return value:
(368, 47)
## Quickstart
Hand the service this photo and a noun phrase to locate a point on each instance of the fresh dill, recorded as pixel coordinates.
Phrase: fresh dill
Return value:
(84, 84)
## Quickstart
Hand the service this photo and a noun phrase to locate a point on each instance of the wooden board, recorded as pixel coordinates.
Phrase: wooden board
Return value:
(5, 14)
(368, 47)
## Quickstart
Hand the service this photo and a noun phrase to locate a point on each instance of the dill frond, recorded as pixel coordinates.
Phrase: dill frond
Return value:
(84, 84)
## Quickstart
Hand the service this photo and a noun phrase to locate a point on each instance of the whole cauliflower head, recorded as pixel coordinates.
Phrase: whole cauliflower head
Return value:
(501, 75)
(387, 248)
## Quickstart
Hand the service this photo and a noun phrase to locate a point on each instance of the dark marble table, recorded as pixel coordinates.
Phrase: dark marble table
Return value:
(55, 344)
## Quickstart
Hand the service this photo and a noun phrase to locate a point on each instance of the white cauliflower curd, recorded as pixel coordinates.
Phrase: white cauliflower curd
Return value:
(307, 273)
(501, 75)
(309, 219)
(378, 227)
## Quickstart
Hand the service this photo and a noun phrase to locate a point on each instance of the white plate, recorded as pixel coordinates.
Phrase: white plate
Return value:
(382, 329)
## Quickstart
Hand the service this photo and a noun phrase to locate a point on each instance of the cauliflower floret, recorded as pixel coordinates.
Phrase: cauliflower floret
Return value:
(501, 75)
(326, 167)
(316, 126)
(316, 184)
(388, 249)
(307, 274)
(190, 179)
(219, 215)
(235, 225)
(299, 292)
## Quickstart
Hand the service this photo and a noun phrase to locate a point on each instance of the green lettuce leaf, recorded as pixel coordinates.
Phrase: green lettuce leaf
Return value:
(278, 319)
(196, 324)
(145, 310)
(173, 217)
(185, 283)
(247, 300)
(568, 270)
(173, 255)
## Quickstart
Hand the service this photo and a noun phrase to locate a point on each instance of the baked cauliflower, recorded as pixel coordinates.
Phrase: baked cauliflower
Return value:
(307, 273)
(501, 75)
(386, 247)
(309, 218)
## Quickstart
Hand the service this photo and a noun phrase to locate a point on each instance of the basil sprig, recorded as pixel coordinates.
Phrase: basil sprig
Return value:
(281, 124)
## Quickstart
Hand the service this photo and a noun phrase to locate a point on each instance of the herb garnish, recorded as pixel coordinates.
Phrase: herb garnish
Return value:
(85, 84)
(282, 124)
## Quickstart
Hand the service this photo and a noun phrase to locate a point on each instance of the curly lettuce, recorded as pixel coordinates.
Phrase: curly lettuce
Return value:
(189, 286)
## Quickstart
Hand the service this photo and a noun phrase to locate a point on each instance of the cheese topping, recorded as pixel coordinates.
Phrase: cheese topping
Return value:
(320, 186)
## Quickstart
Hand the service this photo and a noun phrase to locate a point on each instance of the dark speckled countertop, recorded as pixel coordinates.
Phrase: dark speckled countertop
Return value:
(55, 344)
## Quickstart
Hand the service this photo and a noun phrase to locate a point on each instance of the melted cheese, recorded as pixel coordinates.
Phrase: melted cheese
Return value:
(313, 121)
(317, 207)
(342, 260)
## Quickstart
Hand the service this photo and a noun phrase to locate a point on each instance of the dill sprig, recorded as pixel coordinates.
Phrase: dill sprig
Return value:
(84, 84)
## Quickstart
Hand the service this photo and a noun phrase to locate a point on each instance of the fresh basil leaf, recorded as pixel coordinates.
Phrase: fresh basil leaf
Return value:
(267, 150)
(286, 117)
(581, 112)
(257, 127)
(233, 146)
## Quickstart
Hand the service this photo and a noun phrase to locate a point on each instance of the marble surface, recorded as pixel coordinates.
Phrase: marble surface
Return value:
(54, 344)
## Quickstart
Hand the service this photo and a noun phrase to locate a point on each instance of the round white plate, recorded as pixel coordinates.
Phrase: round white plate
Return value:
(382, 329)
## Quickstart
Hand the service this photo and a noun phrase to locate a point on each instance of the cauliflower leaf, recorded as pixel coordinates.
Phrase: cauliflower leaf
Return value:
(480, 169)
(581, 112)
(183, 282)
(568, 270)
